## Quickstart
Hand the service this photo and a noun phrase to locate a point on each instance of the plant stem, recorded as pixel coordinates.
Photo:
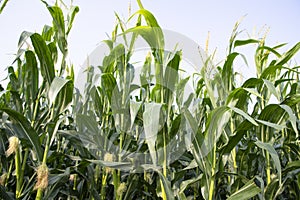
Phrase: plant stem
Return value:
(44, 162)
(40, 190)
(18, 172)
(212, 178)
(116, 183)
(21, 178)
(103, 185)
(268, 168)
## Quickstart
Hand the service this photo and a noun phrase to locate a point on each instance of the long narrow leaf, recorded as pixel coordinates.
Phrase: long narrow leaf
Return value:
(44, 55)
(248, 191)
(270, 149)
(30, 133)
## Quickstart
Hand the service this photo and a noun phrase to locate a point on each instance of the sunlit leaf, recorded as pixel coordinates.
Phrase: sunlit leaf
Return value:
(248, 191)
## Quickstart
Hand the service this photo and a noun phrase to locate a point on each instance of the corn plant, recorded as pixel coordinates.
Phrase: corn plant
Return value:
(34, 106)
(132, 133)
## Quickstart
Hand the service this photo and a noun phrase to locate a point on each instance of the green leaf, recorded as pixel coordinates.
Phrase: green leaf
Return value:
(292, 118)
(152, 33)
(288, 55)
(293, 165)
(270, 49)
(291, 100)
(180, 90)
(235, 139)
(73, 11)
(253, 91)
(272, 89)
(248, 191)
(47, 33)
(3, 193)
(270, 149)
(151, 123)
(32, 76)
(245, 115)
(165, 182)
(3, 5)
(65, 96)
(149, 17)
(272, 125)
(108, 82)
(44, 55)
(134, 109)
(171, 71)
(216, 122)
(244, 42)
(59, 25)
(24, 36)
(227, 71)
(55, 87)
(188, 182)
(30, 133)
(126, 166)
(58, 19)
(272, 115)
(148, 34)
(270, 72)
(167, 186)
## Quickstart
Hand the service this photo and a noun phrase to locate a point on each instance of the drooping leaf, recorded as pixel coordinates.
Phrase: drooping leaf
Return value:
(288, 55)
(186, 183)
(241, 130)
(272, 125)
(165, 182)
(55, 87)
(294, 165)
(126, 166)
(217, 120)
(31, 135)
(248, 191)
(272, 89)
(292, 118)
(148, 34)
(73, 11)
(270, 149)
(47, 33)
(23, 38)
(245, 115)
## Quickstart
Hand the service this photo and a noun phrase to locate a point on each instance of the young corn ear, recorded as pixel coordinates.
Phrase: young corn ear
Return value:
(109, 158)
(121, 189)
(3, 179)
(42, 177)
(13, 145)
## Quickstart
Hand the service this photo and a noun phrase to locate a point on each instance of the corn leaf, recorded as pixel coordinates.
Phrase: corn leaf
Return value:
(44, 55)
(288, 55)
(151, 122)
(270, 149)
(30, 134)
(55, 87)
(248, 191)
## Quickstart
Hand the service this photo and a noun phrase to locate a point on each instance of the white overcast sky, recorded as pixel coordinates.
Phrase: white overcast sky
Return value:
(193, 18)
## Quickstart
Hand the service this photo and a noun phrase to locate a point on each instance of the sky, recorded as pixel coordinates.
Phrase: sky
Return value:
(192, 18)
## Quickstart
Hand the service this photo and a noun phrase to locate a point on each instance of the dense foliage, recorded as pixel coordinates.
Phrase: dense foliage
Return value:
(238, 141)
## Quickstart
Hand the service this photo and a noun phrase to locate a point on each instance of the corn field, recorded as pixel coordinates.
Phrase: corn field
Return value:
(119, 139)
